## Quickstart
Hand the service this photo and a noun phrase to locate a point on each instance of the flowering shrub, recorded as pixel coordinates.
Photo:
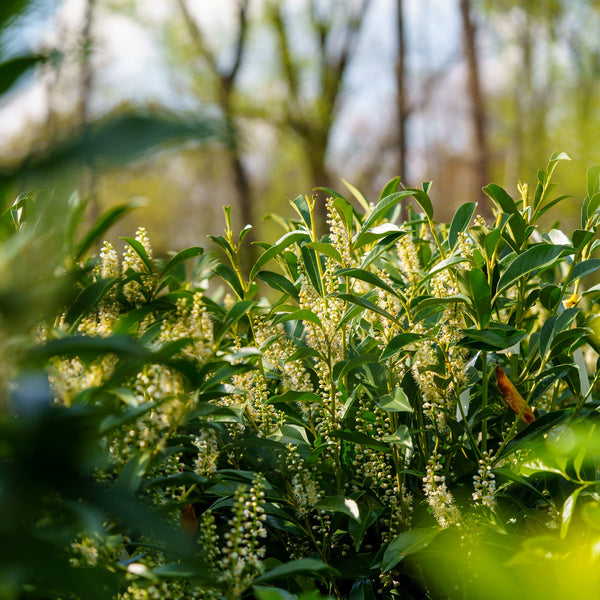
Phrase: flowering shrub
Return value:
(392, 410)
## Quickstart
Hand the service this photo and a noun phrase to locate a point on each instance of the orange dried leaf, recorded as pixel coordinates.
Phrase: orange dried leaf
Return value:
(512, 397)
(188, 521)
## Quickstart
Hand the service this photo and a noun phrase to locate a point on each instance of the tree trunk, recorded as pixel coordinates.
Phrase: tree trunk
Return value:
(89, 183)
(477, 102)
(401, 109)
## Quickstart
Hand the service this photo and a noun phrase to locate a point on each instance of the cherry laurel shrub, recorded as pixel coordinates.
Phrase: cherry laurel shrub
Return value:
(396, 409)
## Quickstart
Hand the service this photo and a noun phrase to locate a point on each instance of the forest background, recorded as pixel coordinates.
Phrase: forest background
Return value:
(303, 93)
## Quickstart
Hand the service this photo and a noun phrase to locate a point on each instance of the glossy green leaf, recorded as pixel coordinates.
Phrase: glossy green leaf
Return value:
(535, 258)
(301, 566)
(584, 268)
(494, 338)
(326, 249)
(272, 593)
(423, 200)
(368, 277)
(501, 198)
(391, 187)
(87, 299)
(362, 590)
(399, 342)
(277, 248)
(397, 401)
(481, 296)
(566, 515)
(278, 282)
(460, 222)
(303, 209)
(407, 543)
(340, 504)
(376, 215)
(365, 303)
(139, 249)
(302, 314)
(231, 277)
(294, 396)
(364, 203)
(313, 268)
(401, 437)
(181, 257)
(342, 368)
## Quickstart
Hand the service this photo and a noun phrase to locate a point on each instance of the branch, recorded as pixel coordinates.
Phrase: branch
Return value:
(289, 69)
(229, 77)
(198, 38)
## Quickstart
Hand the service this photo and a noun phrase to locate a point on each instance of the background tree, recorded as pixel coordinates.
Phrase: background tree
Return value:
(478, 112)
(335, 26)
(225, 78)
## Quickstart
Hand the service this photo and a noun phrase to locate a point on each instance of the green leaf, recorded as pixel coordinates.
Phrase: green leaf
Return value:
(391, 187)
(231, 277)
(243, 233)
(397, 401)
(364, 203)
(236, 312)
(400, 438)
(494, 338)
(181, 257)
(277, 248)
(367, 276)
(399, 342)
(362, 590)
(423, 200)
(407, 543)
(581, 237)
(535, 258)
(272, 593)
(140, 251)
(501, 198)
(384, 230)
(100, 226)
(460, 222)
(481, 296)
(311, 266)
(326, 249)
(302, 208)
(13, 68)
(491, 241)
(87, 299)
(381, 246)
(584, 268)
(340, 369)
(443, 264)
(567, 511)
(89, 348)
(132, 474)
(593, 181)
(346, 212)
(303, 314)
(340, 504)
(361, 301)
(301, 566)
(377, 214)
(278, 282)
(294, 396)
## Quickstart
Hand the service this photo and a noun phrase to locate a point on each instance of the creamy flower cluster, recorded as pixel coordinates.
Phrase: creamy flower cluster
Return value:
(439, 498)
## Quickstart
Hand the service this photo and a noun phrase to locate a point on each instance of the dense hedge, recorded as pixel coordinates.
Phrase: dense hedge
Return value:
(396, 409)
